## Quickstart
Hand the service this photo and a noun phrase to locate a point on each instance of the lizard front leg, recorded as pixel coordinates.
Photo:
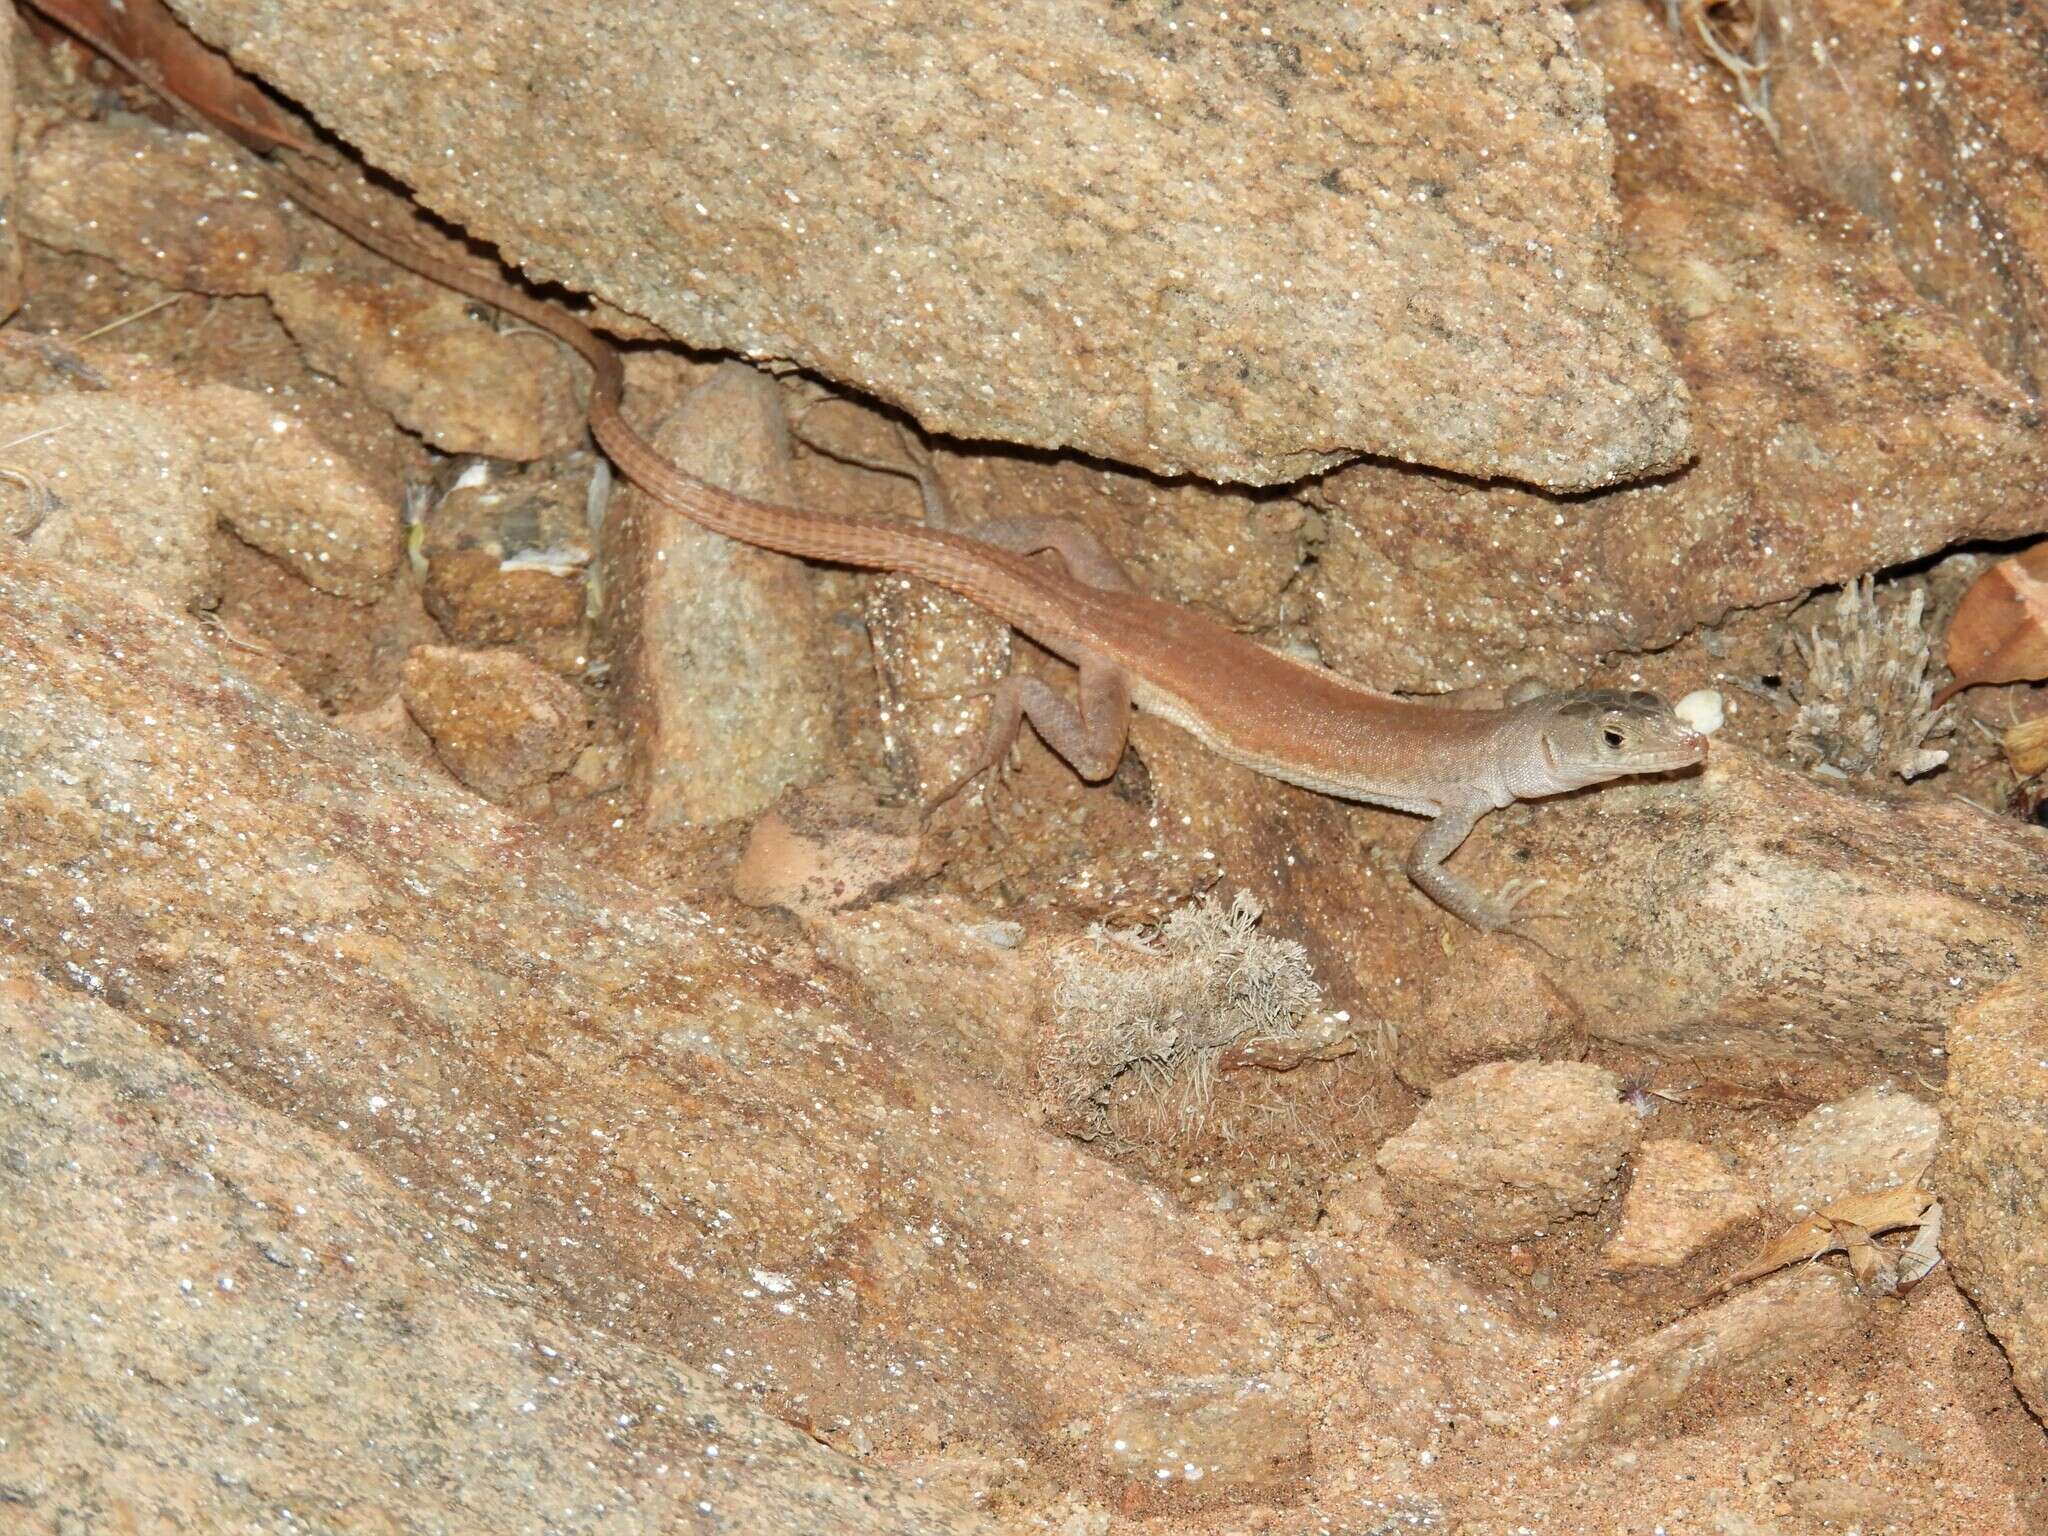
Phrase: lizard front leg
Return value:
(1439, 840)
(1089, 738)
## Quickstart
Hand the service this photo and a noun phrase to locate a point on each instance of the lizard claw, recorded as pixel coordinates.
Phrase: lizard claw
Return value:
(1515, 893)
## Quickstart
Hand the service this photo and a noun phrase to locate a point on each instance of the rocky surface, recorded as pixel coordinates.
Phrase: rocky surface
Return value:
(1498, 1390)
(937, 659)
(1710, 915)
(719, 646)
(1229, 1441)
(1507, 1009)
(1929, 123)
(1682, 1198)
(681, 1142)
(1781, 1322)
(1510, 1149)
(1843, 423)
(1869, 1141)
(507, 552)
(215, 1315)
(177, 207)
(827, 850)
(282, 487)
(500, 723)
(138, 516)
(1233, 246)
(1993, 1166)
(346, 656)
(10, 172)
(939, 971)
(424, 354)
(124, 470)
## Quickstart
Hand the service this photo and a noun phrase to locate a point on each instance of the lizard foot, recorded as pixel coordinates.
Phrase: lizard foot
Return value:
(1511, 909)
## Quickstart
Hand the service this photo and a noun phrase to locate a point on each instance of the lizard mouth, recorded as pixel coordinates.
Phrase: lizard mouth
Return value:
(1682, 754)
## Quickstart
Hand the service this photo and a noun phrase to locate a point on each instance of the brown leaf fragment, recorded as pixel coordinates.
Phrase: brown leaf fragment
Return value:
(142, 36)
(1851, 1225)
(2000, 631)
(1875, 1273)
(1883, 1210)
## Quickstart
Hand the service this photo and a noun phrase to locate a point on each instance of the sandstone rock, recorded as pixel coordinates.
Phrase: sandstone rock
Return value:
(1752, 1334)
(719, 644)
(1838, 1501)
(1436, 1348)
(210, 1314)
(1682, 1200)
(418, 351)
(346, 655)
(1751, 915)
(607, 1092)
(1234, 553)
(1510, 1149)
(502, 724)
(390, 725)
(937, 972)
(114, 492)
(10, 171)
(937, 657)
(1929, 122)
(1505, 1006)
(1992, 1170)
(176, 207)
(125, 467)
(826, 850)
(1870, 1141)
(1220, 1442)
(284, 489)
(1354, 1200)
(1843, 422)
(480, 599)
(1396, 237)
(1369, 1273)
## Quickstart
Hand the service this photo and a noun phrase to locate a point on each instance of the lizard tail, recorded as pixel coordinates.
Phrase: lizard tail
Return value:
(1014, 589)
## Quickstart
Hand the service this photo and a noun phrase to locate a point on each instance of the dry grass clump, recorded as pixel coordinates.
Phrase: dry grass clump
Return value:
(1866, 703)
(1142, 1017)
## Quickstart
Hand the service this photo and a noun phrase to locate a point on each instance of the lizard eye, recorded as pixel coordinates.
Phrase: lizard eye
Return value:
(1613, 737)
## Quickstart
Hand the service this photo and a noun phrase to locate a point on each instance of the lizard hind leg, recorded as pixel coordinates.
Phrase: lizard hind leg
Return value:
(1086, 558)
(1087, 732)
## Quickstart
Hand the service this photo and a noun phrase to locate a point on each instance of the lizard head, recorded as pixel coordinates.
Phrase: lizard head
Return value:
(1597, 734)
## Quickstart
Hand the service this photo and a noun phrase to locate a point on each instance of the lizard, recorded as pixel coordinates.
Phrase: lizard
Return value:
(1287, 718)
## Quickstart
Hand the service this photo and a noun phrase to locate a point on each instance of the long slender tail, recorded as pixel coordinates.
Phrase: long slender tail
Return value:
(1006, 585)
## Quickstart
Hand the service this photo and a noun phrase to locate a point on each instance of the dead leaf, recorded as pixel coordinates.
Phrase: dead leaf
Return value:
(1851, 1225)
(144, 38)
(2000, 632)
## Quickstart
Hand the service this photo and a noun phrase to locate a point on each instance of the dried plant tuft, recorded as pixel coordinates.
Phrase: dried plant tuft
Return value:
(1866, 704)
(1144, 1015)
